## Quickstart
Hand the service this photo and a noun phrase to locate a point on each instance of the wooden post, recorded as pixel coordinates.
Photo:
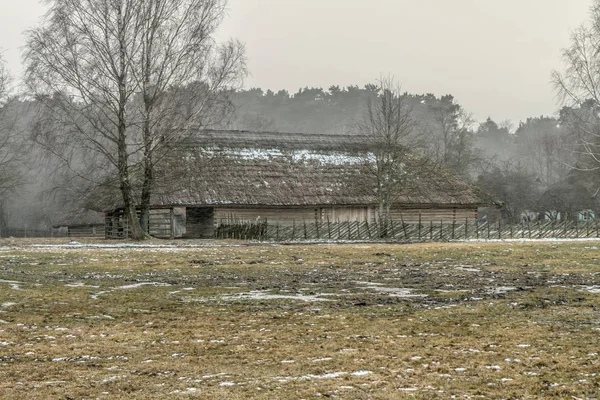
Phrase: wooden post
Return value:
(488, 229)
(441, 229)
(499, 230)
(477, 230)
(587, 228)
(172, 220)
(328, 227)
(431, 230)
(419, 226)
(293, 229)
(466, 228)
(305, 233)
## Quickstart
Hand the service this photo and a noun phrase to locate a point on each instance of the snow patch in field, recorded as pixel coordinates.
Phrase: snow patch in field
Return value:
(529, 240)
(80, 284)
(95, 295)
(328, 375)
(140, 284)
(322, 359)
(467, 268)
(265, 295)
(395, 292)
(14, 285)
(501, 289)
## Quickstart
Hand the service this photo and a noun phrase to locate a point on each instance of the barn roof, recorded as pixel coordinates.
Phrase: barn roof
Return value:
(281, 169)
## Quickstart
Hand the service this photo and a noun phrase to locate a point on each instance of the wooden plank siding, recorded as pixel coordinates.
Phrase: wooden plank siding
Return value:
(92, 231)
(289, 216)
(200, 222)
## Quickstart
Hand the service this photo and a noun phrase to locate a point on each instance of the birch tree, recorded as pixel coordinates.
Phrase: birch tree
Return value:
(578, 86)
(393, 143)
(130, 79)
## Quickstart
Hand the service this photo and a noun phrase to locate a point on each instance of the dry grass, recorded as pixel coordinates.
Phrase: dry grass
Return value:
(362, 321)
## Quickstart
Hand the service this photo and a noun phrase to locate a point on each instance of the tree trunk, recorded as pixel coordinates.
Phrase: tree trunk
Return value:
(146, 193)
(126, 191)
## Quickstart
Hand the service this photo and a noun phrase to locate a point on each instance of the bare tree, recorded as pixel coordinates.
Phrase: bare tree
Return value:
(10, 143)
(578, 86)
(128, 79)
(452, 136)
(393, 144)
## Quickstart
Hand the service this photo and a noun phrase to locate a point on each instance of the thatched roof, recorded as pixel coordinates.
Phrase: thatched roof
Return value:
(276, 169)
(283, 141)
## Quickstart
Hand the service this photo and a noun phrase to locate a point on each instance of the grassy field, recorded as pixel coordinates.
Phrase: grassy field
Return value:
(353, 321)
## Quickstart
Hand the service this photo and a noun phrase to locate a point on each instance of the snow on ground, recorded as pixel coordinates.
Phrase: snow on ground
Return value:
(264, 295)
(12, 284)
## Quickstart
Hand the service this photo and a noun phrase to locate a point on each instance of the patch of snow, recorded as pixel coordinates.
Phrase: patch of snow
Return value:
(80, 284)
(467, 268)
(140, 284)
(501, 289)
(593, 289)
(523, 240)
(264, 295)
(361, 373)
(14, 285)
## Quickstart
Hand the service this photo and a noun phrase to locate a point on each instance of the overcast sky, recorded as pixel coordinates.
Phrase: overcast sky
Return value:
(494, 56)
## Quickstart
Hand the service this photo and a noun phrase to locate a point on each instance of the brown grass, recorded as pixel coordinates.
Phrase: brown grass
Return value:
(504, 320)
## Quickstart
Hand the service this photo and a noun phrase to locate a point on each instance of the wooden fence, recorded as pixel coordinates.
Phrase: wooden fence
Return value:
(400, 231)
(30, 233)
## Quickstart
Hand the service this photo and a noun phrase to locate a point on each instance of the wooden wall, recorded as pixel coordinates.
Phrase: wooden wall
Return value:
(290, 216)
(86, 231)
(282, 216)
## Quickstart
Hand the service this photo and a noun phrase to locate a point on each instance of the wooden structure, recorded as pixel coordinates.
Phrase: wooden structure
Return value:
(229, 177)
(80, 222)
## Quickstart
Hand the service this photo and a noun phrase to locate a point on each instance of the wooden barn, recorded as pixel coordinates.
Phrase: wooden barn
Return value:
(80, 222)
(225, 177)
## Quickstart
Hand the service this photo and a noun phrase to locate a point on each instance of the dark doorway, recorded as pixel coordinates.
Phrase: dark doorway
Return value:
(200, 222)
